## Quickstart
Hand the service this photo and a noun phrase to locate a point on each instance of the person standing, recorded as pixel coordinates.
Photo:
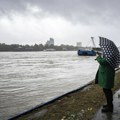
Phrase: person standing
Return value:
(108, 62)
(105, 78)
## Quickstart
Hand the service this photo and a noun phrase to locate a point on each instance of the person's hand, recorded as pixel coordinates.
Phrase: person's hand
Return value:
(98, 54)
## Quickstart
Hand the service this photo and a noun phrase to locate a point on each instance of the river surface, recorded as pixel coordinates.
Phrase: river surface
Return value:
(28, 79)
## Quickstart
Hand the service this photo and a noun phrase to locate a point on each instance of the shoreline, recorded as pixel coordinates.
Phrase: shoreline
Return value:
(81, 104)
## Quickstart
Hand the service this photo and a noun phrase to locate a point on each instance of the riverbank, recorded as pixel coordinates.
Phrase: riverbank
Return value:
(116, 111)
(80, 105)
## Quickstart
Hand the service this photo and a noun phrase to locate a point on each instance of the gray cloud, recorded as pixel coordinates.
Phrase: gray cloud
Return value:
(85, 11)
(8, 6)
(91, 18)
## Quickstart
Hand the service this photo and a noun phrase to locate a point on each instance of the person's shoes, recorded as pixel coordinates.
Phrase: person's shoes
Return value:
(104, 106)
(107, 109)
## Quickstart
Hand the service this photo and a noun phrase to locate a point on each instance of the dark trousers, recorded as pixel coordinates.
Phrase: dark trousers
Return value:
(109, 96)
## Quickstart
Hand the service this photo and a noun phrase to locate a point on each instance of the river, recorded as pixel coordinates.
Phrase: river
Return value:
(28, 79)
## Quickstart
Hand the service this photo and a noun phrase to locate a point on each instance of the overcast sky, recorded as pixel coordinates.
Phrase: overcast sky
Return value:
(67, 21)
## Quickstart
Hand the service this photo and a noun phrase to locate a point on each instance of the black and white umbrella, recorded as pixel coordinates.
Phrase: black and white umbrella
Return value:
(110, 52)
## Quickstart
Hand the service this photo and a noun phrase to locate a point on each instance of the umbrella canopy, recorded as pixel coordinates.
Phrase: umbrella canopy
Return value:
(110, 52)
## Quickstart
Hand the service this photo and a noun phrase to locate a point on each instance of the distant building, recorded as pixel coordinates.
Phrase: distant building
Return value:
(79, 44)
(50, 42)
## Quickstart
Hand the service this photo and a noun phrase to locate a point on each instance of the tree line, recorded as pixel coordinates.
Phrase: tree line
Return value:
(36, 47)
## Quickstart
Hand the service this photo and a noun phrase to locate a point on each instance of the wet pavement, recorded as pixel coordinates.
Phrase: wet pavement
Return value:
(110, 116)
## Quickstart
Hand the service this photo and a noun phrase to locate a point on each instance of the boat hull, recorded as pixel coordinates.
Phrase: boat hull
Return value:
(86, 53)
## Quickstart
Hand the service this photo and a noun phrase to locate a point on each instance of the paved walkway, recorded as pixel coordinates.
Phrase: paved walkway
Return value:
(110, 116)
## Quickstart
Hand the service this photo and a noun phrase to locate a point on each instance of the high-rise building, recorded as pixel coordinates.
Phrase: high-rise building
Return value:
(50, 42)
(79, 44)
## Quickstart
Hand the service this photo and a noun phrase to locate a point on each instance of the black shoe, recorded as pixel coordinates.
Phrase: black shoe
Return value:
(104, 106)
(107, 109)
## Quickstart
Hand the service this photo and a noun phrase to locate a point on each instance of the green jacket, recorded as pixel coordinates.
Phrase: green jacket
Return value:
(105, 74)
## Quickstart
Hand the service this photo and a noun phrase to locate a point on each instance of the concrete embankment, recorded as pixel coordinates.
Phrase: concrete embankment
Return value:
(80, 104)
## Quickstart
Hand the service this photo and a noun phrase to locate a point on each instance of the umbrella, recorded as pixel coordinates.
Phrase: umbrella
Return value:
(110, 52)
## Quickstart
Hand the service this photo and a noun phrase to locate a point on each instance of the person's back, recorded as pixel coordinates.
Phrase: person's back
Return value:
(106, 73)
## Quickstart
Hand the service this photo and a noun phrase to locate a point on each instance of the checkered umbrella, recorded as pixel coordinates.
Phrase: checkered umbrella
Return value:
(110, 52)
